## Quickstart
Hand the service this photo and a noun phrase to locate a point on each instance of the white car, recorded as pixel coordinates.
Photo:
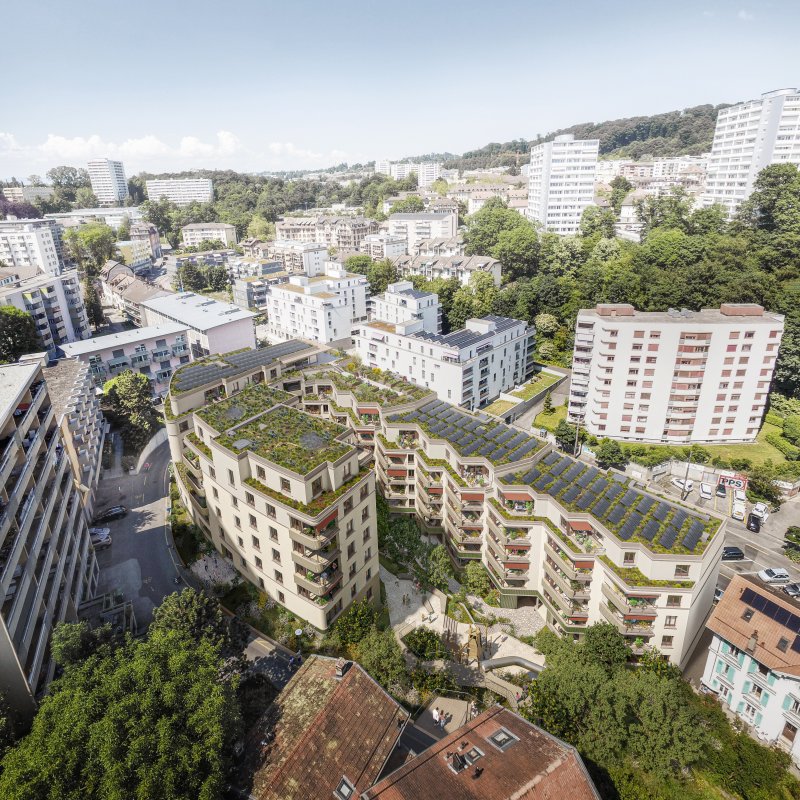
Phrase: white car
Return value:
(738, 511)
(739, 496)
(705, 491)
(761, 511)
(774, 575)
(100, 533)
(685, 486)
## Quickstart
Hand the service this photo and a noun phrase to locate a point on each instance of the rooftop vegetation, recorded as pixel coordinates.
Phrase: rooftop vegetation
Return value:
(317, 505)
(241, 406)
(391, 392)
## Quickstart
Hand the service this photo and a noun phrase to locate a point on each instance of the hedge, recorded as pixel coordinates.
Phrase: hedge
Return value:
(789, 450)
(774, 419)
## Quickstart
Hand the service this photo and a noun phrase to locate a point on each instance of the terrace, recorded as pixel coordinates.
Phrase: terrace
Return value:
(253, 400)
(290, 439)
(378, 387)
(628, 513)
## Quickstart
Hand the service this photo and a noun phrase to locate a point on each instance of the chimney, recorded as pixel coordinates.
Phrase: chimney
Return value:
(753, 641)
(342, 666)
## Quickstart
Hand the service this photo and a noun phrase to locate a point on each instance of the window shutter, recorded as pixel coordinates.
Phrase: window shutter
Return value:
(746, 688)
(787, 702)
(740, 707)
(764, 699)
(720, 665)
(771, 679)
(759, 717)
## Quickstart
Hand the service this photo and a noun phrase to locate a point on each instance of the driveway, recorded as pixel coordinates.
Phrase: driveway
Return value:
(140, 562)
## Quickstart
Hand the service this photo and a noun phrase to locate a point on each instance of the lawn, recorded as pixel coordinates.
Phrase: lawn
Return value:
(536, 385)
(499, 407)
(549, 420)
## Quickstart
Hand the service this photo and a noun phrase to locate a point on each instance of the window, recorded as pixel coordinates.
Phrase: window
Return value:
(235, 502)
(351, 550)
(183, 426)
(369, 575)
(237, 522)
(240, 540)
(670, 622)
(286, 485)
(256, 543)
(345, 790)
(253, 522)
(273, 534)
(629, 558)
(215, 492)
(281, 595)
(276, 556)
(279, 578)
(369, 591)
(666, 641)
(270, 511)
(503, 739)
(682, 571)
(673, 601)
(261, 473)
(231, 481)
(259, 563)
(789, 732)
(249, 498)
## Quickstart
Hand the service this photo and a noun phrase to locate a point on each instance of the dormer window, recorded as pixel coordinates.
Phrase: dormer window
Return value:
(345, 790)
(503, 739)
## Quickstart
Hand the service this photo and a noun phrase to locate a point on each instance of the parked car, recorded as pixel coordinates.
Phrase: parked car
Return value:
(732, 554)
(685, 486)
(705, 491)
(101, 543)
(792, 589)
(761, 511)
(100, 533)
(739, 496)
(721, 491)
(774, 575)
(115, 512)
(738, 511)
(718, 594)
(753, 523)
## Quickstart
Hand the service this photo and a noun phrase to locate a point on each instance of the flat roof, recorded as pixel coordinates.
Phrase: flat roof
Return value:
(197, 310)
(13, 380)
(466, 337)
(35, 281)
(61, 379)
(121, 338)
(706, 316)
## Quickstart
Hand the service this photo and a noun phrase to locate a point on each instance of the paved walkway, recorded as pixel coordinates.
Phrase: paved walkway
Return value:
(455, 713)
(213, 570)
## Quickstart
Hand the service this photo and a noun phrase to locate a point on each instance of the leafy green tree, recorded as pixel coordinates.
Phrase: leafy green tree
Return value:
(129, 398)
(672, 210)
(190, 278)
(18, 334)
(261, 228)
(90, 246)
(356, 623)
(791, 428)
(620, 188)
(426, 644)
(408, 205)
(94, 309)
(600, 222)
(476, 580)
(380, 655)
(610, 454)
(68, 177)
(485, 226)
(517, 249)
(360, 264)
(603, 644)
(775, 191)
(380, 275)
(7, 726)
(565, 436)
(124, 230)
(546, 324)
(761, 483)
(217, 278)
(85, 198)
(439, 567)
(548, 403)
(73, 642)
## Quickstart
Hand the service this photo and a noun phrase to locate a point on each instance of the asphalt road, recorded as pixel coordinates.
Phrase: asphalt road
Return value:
(140, 560)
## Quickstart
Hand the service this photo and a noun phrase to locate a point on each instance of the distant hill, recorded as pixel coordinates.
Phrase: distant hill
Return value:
(687, 132)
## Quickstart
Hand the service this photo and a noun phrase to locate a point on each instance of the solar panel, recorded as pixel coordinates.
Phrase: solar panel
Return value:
(617, 513)
(645, 504)
(523, 451)
(679, 518)
(486, 449)
(629, 497)
(542, 482)
(571, 493)
(613, 491)
(630, 526)
(599, 486)
(600, 507)
(557, 487)
(650, 530)
(560, 467)
(506, 435)
(616, 476)
(774, 611)
(690, 540)
(668, 537)
(661, 512)
(585, 479)
(584, 502)
(574, 471)
(551, 458)
(530, 475)
(471, 448)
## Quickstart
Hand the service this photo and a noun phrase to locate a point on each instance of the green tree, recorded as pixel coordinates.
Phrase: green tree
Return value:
(380, 275)
(380, 655)
(476, 579)
(360, 264)
(408, 205)
(517, 249)
(565, 436)
(548, 403)
(68, 177)
(791, 428)
(603, 644)
(8, 726)
(73, 642)
(620, 188)
(356, 623)
(546, 324)
(761, 483)
(217, 278)
(129, 398)
(261, 228)
(439, 567)
(485, 226)
(609, 454)
(598, 222)
(91, 301)
(190, 278)
(85, 198)
(90, 246)
(124, 230)
(18, 334)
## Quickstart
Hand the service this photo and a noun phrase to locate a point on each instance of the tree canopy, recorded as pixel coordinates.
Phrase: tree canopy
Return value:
(129, 398)
(18, 334)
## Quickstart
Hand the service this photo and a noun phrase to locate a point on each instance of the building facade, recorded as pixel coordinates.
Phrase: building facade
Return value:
(145, 232)
(181, 191)
(675, 376)
(341, 233)
(749, 137)
(137, 253)
(192, 235)
(561, 182)
(27, 194)
(109, 183)
(449, 266)
(382, 245)
(298, 257)
(401, 302)
(31, 243)
(469, 367)
(155, 352)
(47, 563)
(423, 225)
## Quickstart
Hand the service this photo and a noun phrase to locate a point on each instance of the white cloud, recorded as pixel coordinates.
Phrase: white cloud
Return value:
(745, 16)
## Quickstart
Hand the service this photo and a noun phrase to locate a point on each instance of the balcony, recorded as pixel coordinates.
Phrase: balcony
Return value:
(316, 560)
(571, 587)
(628, 605)
(627, 626)
(318, 584)
(309, 537)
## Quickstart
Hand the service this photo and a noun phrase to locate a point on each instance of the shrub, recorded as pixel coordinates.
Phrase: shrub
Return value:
(789, 450)
(426, 644)
(774, 419)
(791, 428)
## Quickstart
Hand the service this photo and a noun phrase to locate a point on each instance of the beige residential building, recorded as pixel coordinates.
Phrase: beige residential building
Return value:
(342, 233)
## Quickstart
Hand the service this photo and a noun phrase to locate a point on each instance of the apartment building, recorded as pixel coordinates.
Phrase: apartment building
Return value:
(401, 302)
(197, 232)
(469, 367)
(249, 267)
(753, 664)
(382, 245)
(27, 194)
(145, 232)
(286, 495)
(322, 309)
(212, 327)
(109, 184)
(454, 246)
(31, 243)
(253, 292)
(54, 301)
(341, 233)
(119, 288)
(580, 544)
(460, 267)
(561, 182)
(154, 351)
(114, 217)
(749, 137)
(422, 225)
(674, 376)
(47, 563)
(426, 171)
(181, 191)
(300, 257)
(136, 253)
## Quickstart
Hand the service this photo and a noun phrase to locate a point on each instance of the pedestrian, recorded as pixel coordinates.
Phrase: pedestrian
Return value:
(442, 719)
(436, 716)
(299, 658)
(291, 663)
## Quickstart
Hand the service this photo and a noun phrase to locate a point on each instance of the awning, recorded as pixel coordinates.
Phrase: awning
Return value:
(397, 473)
(471, 498)
(366, 410)
(327, 520)
(435, 490)
(640, 617)
(521, 497)
(580, 525)
(584, 564)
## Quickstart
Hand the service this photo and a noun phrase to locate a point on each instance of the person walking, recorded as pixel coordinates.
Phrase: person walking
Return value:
(436, 716)
(442, 719)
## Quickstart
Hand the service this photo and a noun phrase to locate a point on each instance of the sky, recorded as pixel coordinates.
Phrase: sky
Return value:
(258, 85)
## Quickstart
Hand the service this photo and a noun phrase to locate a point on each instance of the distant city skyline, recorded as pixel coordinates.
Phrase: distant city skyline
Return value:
(306, 85)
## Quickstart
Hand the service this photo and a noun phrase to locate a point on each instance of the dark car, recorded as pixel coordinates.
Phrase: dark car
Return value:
(753, 523)
(732, 554)
(721, 491)
(115, 512)
(792, 589)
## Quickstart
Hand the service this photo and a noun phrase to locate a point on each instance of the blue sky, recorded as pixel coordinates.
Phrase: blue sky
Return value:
(255, 85)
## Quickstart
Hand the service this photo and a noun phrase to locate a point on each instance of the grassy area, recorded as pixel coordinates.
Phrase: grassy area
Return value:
(549, 420)
(536, 385)
(499, 407)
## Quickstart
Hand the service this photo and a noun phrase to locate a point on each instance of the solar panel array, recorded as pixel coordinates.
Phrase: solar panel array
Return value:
(772, 610)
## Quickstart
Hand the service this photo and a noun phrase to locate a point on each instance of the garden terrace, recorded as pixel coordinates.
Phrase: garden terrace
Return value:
(319, 504)
(289, 438)
(635, 577)
(237, 408)
(471, 435)
(628, 513)
(382, 388)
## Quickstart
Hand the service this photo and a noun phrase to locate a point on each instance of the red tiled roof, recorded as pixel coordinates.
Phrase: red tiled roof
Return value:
(536, 767)
(320, 729)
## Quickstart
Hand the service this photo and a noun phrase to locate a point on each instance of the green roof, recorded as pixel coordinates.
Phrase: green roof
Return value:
(241, 406)
(392, 391)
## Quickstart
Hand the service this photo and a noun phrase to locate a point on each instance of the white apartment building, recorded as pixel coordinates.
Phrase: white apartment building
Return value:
(27, 194)
(423, 225)
(181, 191)
(154, 351)
(674, 376)
(146, 232)
(749, 137)
(401, 302)
(212, 327)
(322, 309)
(383, 167)
(196, 232)
(469, 367)
(301, 257)
(383, 245)
(561, 182)
(427, 172)
(34, 243)
(109, 183)
(54, 301)
(462, 268)
(136, 253)
(283, 494)
(47, 563)
(113, 217)
(453, 246)
(753, 664)
(341, 233)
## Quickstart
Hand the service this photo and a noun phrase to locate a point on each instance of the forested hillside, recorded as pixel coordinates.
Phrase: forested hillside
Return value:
(687, 132)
